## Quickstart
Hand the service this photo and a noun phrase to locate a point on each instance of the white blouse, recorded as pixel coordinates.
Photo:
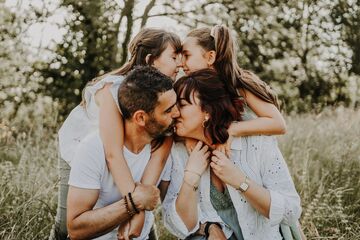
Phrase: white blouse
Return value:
(261, 160)
(84, 120)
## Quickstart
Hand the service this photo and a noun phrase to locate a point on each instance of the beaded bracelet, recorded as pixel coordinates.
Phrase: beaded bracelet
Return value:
(132, 203)
(131, 213)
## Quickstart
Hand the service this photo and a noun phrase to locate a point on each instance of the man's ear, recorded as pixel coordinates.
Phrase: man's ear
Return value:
(211, 57)
(140, 117)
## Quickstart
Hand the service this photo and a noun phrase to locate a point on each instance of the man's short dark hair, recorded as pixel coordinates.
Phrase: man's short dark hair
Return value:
(140, 90)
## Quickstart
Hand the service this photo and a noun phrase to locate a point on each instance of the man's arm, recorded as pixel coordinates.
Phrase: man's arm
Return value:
(83, 222)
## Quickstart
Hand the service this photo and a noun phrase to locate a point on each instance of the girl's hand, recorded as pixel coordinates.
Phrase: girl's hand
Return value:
(123, 231)
(198, 159)
(225, 169)
(226, 147)
(216, 233)
(136, 224)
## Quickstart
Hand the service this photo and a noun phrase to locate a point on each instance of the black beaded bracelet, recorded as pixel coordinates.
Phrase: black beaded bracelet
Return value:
(132, 203)
(207, 226)
(131, 213)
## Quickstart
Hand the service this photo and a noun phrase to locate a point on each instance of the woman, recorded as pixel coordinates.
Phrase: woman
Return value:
(99, 110)
(245, 197)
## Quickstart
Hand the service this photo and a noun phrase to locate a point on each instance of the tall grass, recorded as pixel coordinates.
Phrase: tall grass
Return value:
(322, 151)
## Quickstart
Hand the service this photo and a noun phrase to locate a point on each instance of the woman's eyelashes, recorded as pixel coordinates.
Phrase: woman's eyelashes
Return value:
(182, 103)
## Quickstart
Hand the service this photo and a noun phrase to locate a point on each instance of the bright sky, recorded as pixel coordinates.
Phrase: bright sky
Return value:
(47, 34)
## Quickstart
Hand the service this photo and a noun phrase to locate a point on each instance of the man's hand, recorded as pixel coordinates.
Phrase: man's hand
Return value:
(216, 233)
(146, 197)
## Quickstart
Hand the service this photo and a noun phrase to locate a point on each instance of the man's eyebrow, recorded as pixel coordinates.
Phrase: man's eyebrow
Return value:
(170, 107)
(184, 51)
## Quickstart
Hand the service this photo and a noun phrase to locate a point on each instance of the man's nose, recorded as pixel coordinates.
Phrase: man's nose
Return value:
(175, 112)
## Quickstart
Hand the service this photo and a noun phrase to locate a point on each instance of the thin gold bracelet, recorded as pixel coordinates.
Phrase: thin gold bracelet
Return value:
(195, 188)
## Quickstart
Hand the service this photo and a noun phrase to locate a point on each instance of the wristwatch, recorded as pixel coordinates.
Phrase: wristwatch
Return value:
(244, 186)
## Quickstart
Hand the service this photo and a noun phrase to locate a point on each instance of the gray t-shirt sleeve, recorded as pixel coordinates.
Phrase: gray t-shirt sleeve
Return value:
(88, 164)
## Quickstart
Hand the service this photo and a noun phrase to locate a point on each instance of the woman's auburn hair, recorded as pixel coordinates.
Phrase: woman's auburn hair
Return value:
(215, 100)
(220, 40)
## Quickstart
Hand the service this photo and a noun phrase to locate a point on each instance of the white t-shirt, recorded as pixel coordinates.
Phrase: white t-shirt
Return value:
(84, 120)
(89, 171)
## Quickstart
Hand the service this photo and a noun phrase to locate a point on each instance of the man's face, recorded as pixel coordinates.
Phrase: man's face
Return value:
(162, 120)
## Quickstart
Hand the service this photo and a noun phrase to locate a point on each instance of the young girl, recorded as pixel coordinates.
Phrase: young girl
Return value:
(99, 110)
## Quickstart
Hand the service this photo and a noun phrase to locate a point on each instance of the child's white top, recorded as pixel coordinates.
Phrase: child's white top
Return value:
(84, 120)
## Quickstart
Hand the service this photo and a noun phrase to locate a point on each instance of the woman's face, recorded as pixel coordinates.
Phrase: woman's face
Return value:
(193, 56)
(189, 124)
(168, 62)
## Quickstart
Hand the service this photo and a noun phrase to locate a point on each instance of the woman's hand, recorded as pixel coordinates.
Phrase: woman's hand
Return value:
(198, 159)
(225, 169)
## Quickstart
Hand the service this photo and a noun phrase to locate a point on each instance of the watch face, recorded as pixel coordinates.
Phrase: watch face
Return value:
(243, 187)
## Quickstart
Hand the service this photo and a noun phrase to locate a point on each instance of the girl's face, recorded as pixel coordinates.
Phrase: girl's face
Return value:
(194, 57)
(189, 123)
(168, 62)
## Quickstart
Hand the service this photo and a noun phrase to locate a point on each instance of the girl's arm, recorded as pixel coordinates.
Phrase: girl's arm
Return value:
(269, 120)
(112, 134)
(156, 163)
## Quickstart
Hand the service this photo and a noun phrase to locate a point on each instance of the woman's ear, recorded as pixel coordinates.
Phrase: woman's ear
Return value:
(147, 58)
(211, 56)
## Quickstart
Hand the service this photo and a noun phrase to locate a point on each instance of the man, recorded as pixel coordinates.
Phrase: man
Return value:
(95, 206)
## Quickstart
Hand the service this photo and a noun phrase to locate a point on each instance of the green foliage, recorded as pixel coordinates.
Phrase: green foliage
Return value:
(322, 152)
(89, 48)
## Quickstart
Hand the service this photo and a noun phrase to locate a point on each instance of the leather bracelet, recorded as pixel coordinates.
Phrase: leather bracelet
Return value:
(207, 226)
(132, 203)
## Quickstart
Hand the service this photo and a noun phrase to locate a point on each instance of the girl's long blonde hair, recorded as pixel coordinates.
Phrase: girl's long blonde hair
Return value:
(220, 40)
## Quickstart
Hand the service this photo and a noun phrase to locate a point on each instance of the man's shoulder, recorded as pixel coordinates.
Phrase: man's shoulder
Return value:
(91, 149)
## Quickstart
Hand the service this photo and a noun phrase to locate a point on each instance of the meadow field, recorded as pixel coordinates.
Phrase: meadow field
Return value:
(322, 152)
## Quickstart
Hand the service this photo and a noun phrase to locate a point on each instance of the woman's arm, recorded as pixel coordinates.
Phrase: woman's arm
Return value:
(276, 198)
(269, 120)
(112, 134)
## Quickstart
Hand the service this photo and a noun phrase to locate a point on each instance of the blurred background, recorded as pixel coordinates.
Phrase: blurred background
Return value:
(308, 51)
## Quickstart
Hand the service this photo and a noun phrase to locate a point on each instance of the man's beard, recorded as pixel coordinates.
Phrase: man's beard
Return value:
(156, 130)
